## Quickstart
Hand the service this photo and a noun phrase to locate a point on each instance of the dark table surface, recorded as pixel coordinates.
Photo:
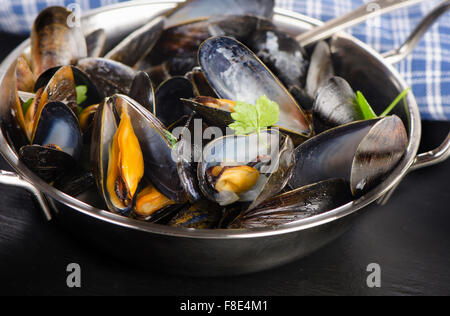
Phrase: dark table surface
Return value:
(409, 238)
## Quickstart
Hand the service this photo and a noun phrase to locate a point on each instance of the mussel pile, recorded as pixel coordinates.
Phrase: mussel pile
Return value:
(124, 124)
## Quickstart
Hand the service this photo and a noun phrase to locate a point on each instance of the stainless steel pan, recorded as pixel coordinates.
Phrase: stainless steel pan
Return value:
(220, 252)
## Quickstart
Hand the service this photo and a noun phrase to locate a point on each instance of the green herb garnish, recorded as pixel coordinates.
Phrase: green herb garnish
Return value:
(26, 105)
(365, 107)
(253, 118)
(368, 111)
(172, 139)
(81, 94)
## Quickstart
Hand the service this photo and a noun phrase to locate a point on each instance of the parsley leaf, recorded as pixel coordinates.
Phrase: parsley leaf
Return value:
(81, 94)
(252, 118)
(365, 107)
(171, 138)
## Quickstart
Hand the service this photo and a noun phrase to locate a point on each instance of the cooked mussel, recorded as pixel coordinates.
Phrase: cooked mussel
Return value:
(335, 105)
(295, 205)
(55, 43)
(235, 73)
(246, 168)
(110, 77)
(187, 155)
(168, 105)
(128, 145)
(178, 45)
(24, 75)
(142, 91)
(151, 202)
(321, 68)
(362, 153)
(96, 42)
(217, 112)
(282, 54)
(199, 82)
(79, 79)
(202, 215)
(56, 142)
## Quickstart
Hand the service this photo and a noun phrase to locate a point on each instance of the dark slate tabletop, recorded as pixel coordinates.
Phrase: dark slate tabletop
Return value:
(409, 239)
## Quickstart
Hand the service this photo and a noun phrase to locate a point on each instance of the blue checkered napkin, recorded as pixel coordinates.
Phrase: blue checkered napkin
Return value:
(427, 70)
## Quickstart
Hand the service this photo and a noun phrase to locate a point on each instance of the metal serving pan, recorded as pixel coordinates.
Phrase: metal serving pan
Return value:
(220, 252)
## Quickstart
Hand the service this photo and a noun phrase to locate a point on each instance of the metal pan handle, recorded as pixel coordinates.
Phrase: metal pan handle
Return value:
(443, 152)
(11, 178)
(404, 50)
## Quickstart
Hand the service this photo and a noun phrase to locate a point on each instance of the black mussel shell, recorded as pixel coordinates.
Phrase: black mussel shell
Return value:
(47, 163)
(96, 42)
(54, 42)
(377, 155)
(168, 105)
(58, 127)
(186, 156)
(296, 205)
(236, 73)
(75, 183)
(142, 91)
(212, 115)
(110, 77)
(362, 153)
(282, 54)
(321, 69)
(80, 78)
(202, 215)
(335, 105)
(201, 85)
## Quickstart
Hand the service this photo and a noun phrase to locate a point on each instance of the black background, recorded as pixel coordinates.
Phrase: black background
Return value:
(409, 238)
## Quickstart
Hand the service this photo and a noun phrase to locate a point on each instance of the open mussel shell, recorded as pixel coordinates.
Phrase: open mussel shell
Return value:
(272, 163)
(143, 92)
(47, 163)
(54, 42)
(186, 153)
(343, 153)
(58, 127)
(296, 205)
(201, 215)
(110, 77)
(168, 104)
(194, 9)
(60, 86)
(159, 166)
(138, 44)
(200, 84)
(282, 54)
(378, 153)
(321, 68)
(335, 105)
(227, 64)
(24, 75)
(56, 143)
(79, 79)
(214, 111)
(96, 42)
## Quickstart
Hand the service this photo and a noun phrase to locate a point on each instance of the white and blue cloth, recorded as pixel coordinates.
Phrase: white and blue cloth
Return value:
(427, 70)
